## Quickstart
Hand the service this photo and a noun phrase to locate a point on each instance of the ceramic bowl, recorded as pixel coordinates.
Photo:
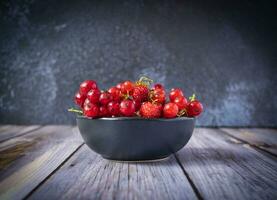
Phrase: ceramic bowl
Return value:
(135, 139)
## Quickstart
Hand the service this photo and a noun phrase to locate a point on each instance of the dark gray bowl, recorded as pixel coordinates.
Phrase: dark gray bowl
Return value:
(135, 139)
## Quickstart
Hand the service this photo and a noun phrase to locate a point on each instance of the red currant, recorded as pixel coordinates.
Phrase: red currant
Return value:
(119, 86)
(181, 102)
(103, 111)
(113, 108)
(90, 109)
(127, 87)
(105, 98)
(127, 108)
(158, 86)
(86, 86)
(170, 110)
(194, 108)
(175, 92)
(93, 95)
(79, 99)
(115, 93)
(158, 95)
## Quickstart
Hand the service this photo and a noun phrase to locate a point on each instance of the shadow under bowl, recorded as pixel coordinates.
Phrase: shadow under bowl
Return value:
(135, 139)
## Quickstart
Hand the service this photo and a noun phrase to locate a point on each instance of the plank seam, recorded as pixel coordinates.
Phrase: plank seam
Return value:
(196, 191)
(253, 146)
(24, 133)
(53, 172)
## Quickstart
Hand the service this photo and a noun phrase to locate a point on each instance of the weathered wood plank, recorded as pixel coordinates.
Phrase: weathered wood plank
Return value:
(10, 131)
(4, 127)
(87, 175)
(265, 139)
(28, 160)
(224, 168)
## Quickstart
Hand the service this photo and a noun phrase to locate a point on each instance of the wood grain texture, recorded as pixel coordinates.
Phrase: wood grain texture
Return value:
(225, 168)
(87, 175)
(265, 139)
(11, 131)
(31, 158)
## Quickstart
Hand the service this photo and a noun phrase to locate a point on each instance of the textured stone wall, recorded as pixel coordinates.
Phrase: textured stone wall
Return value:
(224, 51)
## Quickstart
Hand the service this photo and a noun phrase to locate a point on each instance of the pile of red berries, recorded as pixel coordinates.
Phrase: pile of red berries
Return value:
(129, 99)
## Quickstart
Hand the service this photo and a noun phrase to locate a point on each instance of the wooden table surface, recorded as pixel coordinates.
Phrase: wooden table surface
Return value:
(52, 162)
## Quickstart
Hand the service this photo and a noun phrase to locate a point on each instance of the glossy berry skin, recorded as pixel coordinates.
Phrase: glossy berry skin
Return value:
(194, 108)
(158, 86)
(86, 86)
(90, 109)
(150, 110)
(93, 95)
(140, 93)
(181, 102)
(127, 87)
(170, 110)
(158, 96)
(86, 102)
(115, 93)
(174, 93)
(103, 111)
(119, 86)
(79, 99)
(127, 108)
(105, 98)
(113, 108)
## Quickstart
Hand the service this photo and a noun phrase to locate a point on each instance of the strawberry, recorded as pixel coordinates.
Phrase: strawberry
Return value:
(150, 110)
(141, 90)
(140, 93)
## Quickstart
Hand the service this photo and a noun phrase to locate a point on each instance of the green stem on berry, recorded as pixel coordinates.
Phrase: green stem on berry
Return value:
(192, 98)
(126, 96)
(145, 80)
(75, 110)
(182, 112)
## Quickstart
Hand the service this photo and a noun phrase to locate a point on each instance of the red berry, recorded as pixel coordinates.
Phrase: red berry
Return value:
(113, 108)
(86, 86)
(150, 110)
(115, 93)
(127, 108)
(181, 102)
(86, 102)
(103, 112)
(137, 104)
(105, 98)
(194, 108)
(158, 86)
(160, 107)
(127, 87)
(175, 92)
(93, 95)
(170, 110)
(140, 93)
(79, 99)
(90, 109)
(158, 95)
(119, 86)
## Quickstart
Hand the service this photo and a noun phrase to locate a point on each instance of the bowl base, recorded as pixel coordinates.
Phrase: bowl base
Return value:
(136, 161)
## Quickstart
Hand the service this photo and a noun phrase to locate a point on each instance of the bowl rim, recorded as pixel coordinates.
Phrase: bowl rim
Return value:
(134, 118)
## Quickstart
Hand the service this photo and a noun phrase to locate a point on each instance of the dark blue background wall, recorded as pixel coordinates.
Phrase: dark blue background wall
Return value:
(224, 51)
